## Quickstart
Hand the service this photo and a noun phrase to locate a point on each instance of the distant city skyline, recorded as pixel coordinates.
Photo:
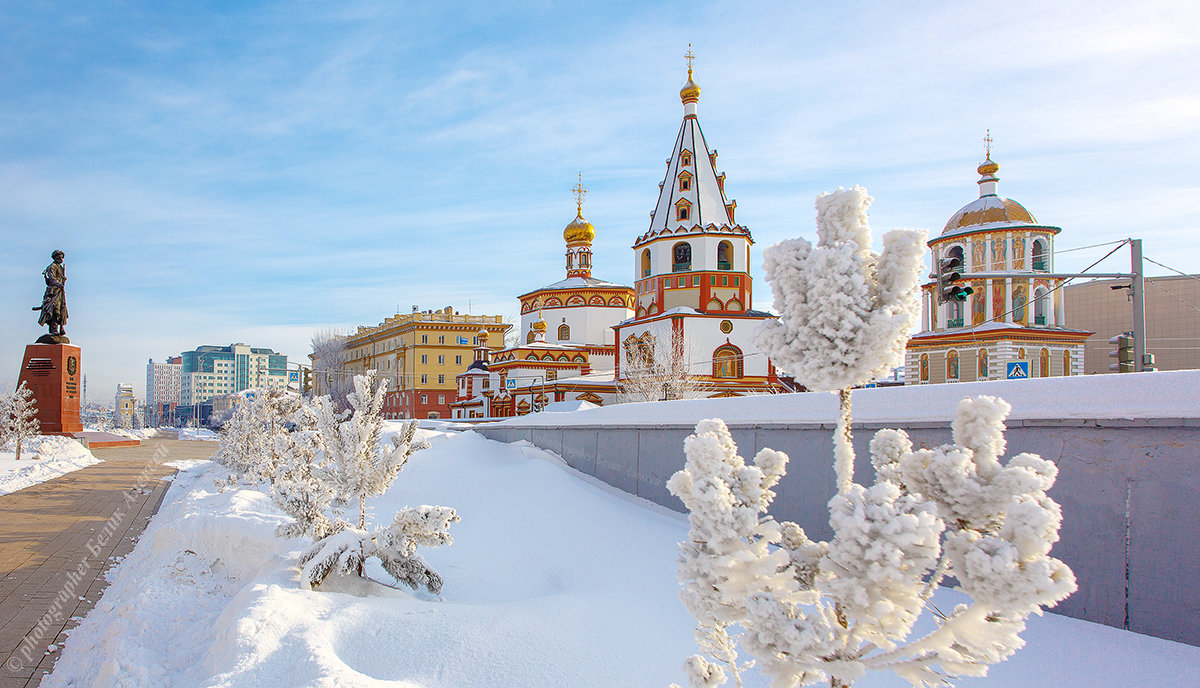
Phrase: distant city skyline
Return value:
(258, 171)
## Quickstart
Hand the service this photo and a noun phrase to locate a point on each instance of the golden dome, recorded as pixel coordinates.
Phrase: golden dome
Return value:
(690, 93)
(579, 230)
(539, 326)
(988, 167)
(988, 210)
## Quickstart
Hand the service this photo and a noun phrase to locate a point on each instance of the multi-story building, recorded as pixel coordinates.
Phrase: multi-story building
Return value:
(1014, 323)
(212, 370)
(163, 382)
(1172, 321)
(420, 353)
(124, 406)
(693, 288)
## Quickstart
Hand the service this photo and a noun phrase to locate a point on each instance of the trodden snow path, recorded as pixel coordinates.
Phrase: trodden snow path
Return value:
(58, 537)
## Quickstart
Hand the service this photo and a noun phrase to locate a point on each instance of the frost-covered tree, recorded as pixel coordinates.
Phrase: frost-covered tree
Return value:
(18, 418)
(355, 464)
(247, 438)
(329, 366)
(848, 606)
(845, 311)
(654, 370)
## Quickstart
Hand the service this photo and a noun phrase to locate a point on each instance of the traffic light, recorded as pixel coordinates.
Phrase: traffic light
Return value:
(946, 273)
(1123, 352)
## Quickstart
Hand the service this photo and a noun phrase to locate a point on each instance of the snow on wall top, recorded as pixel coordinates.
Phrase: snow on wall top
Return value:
(1173, 394)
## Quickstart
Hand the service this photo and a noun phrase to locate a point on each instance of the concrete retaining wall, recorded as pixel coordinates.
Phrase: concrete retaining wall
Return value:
(1129, 490)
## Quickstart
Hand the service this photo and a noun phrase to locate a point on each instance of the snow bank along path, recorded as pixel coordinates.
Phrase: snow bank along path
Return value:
(554, 580)
(56, 456)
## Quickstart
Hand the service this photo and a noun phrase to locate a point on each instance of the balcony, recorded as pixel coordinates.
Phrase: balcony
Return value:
(724, 265)
(1039, 265)
(681, 267)
(954, 322)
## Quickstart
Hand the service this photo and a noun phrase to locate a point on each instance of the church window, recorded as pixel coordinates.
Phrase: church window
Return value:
(529, 337)
(1045, 363)
(424, 358)
(685, 181)
(441, 360)
(679, 282)
(681, 213)
(982, 372)
(570, 259)
(724, 280)
(645, 262)
(424, 339)
(1066, 362)
(564, 332)
(724, 256)
(681, 255)
(1041, 306)
(458, 360)
(551, 375)
(685, 158)
(442, 339)
(696, 280)
(951, 365)
(727, 362)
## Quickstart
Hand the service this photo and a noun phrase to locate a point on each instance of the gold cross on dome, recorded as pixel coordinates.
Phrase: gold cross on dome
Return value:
(580, 191)
(987, 144)
(690, 56)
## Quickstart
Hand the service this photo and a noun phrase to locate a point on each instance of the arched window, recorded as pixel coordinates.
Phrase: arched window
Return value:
(982, 372)
(727, 361)
(1066, 362)
(1045, 361)
(681, 257)
(645, 262)
(570, 260)
(564, 332)
(529, 337)
(924, 374)
(724, 256)
(1041, 306)
(951, 365)
(1038, 255)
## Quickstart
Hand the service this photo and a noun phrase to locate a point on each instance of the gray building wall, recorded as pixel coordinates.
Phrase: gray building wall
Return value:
(1129, 490)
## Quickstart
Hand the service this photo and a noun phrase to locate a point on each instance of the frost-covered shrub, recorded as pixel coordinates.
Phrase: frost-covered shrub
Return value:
(815, 612)
(348, 462)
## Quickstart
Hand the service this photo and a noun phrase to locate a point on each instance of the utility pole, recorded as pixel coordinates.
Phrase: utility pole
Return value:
(1138, 293)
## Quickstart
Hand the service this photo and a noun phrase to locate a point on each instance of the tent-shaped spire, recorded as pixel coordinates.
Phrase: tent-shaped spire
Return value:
(692, 192)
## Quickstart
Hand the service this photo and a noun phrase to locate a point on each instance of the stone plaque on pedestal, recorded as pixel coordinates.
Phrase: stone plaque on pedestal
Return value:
(53, 373)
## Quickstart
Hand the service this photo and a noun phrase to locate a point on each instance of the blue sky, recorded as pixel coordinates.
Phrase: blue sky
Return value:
(252, 172)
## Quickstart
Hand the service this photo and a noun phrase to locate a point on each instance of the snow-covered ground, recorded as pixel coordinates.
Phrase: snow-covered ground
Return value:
(1169, 394)
(200, 434)
(55, 456)
(553, 580)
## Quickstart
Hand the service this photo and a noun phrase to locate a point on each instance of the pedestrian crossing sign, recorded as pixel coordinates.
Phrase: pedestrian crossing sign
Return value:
(1018, 370)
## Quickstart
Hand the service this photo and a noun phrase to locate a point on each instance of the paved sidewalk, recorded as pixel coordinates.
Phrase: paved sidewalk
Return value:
(58, 537)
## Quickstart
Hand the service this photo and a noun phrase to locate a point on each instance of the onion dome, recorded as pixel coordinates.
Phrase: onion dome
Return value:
(690, 93)
(989, 208)
(580, 230)
(540, 325)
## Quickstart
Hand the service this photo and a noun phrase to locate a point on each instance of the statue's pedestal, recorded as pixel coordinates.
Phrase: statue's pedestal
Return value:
(53, 372)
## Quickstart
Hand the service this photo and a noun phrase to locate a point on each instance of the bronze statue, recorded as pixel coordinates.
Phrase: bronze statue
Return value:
(54, 301)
